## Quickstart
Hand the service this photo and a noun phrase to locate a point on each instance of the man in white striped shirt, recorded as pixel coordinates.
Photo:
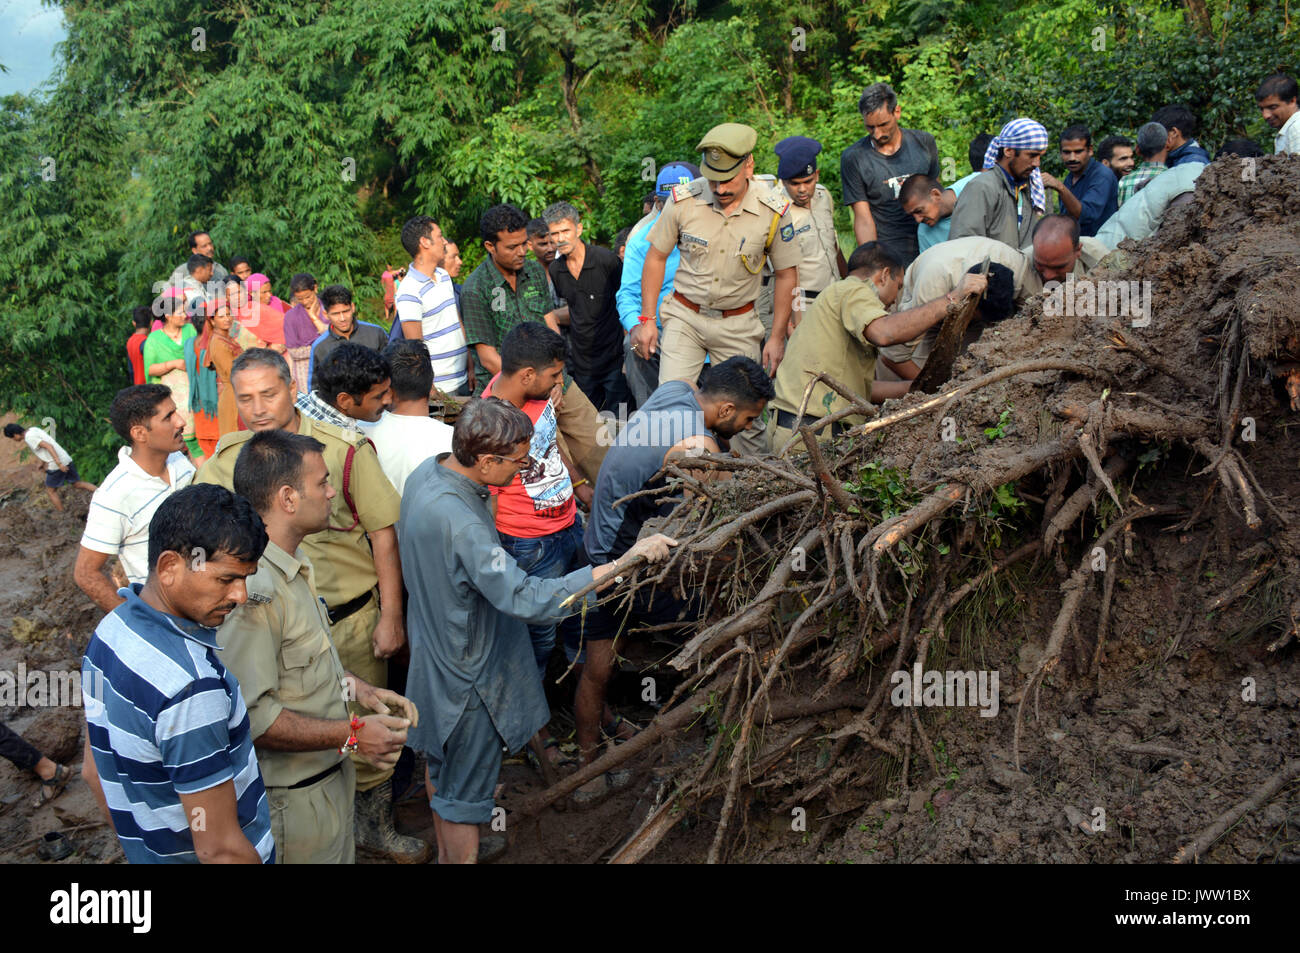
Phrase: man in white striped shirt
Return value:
(151, 468)
(426, 306)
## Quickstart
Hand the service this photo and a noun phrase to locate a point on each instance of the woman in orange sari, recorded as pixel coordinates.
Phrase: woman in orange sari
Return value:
(219, 352)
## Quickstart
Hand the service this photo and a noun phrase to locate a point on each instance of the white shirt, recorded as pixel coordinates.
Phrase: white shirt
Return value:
(1288, 137)
(34, 436)
(432, 302)
(403, 443)
(182, 271)
(117, 523)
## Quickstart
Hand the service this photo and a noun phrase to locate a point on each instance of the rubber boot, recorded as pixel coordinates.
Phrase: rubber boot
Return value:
(375, 832)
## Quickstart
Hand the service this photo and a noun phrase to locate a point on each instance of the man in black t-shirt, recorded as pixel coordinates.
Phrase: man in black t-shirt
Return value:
(873, 169)
(587, 277)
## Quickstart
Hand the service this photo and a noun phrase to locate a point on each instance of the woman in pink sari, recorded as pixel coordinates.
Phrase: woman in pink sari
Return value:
(265, 315)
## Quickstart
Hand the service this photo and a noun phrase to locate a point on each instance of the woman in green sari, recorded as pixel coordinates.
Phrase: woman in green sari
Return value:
(164, 359)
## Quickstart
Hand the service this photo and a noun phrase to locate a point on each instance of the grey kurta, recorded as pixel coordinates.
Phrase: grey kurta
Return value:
(469, 602)
(988, 206)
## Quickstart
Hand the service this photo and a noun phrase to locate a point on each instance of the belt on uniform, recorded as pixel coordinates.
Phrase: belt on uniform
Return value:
(725, 312)
(767, 279)
(338, 613)
(787, 420)
(308, 782)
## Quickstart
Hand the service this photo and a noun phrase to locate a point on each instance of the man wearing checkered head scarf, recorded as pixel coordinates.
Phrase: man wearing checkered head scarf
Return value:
(1009, 197)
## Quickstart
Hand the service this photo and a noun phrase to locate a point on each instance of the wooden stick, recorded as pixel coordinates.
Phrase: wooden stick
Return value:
(1191, 853)
(948, 344)
(836, 489)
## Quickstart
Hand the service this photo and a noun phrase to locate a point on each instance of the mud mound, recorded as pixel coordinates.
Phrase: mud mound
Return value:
(1099, 508)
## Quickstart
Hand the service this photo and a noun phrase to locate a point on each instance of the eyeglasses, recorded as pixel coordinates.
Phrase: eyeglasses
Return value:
(522, 462)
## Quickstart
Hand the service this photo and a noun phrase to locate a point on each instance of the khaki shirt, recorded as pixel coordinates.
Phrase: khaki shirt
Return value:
(938, 270)
(830, 340)
(722, 254)
(345, 566)
(1030, 283)
(814, 230)
(278, 645)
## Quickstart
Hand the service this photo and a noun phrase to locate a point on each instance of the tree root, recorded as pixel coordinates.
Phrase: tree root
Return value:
(1074, 589)
(1191, 852)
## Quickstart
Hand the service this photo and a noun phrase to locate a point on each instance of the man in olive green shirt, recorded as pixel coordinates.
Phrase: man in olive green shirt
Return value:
(355, 558)
(295, 688)
(840, 336)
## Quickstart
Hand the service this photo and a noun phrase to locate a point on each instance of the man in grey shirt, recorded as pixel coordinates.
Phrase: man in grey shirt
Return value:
(677, 422)
(200, 244)
(472, 674)
(874, 168)
(1009, 197)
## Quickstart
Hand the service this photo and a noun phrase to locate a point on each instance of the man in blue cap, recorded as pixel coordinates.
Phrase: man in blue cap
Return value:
(642, 370)
(812, 213)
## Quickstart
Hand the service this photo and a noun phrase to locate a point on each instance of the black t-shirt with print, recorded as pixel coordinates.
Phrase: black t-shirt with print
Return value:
(867, 176)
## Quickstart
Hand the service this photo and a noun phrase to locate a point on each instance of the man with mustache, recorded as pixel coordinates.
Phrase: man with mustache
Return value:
(150, 468)
(1091, 193)
(169, 752)
(726, 226)
(1277, 99)
(357, 567)
(1008, 198)
(296, 689)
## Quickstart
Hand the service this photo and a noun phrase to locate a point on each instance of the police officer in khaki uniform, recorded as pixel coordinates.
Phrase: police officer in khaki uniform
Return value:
(295, 688)
(725, 226)
(355, 560)
(813, 213)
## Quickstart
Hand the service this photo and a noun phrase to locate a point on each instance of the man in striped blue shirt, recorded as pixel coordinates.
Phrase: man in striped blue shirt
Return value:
(426, 306)
(169, 753)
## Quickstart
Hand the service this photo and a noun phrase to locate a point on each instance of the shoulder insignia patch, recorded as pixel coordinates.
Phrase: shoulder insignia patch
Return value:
(338, 433)
(681, 193)
(787, 233)
(776, 203)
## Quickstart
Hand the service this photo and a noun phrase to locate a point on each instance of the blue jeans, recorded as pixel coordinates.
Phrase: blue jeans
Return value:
(547, 557)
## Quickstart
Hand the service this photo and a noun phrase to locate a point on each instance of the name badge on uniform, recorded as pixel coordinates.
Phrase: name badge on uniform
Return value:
(689, 239)
(800, 231)
(787, 233)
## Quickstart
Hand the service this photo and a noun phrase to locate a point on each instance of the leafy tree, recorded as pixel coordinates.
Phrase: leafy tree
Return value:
(302, 133)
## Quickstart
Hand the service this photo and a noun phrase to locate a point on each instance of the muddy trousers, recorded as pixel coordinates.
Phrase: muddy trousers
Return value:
(15, 748)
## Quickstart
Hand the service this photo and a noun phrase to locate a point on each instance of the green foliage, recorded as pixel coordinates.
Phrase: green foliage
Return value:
(1000, 428)
(883, 490)
(303, 134)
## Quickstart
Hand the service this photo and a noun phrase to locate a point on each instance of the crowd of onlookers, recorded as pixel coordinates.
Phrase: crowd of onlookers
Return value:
(286, 495)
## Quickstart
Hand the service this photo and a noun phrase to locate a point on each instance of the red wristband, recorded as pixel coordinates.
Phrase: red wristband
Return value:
(354, 726)
(644, 318)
